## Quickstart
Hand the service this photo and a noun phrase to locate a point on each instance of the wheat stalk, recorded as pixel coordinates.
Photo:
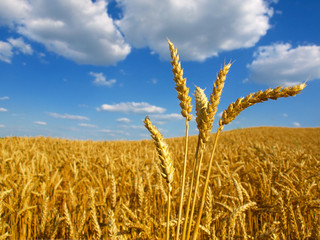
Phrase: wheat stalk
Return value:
(166, 163)
(185, 104)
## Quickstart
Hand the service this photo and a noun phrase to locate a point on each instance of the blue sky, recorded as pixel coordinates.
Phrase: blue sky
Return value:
(82, 69)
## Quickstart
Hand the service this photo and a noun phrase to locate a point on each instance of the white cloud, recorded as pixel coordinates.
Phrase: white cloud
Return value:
(7, 49)
(285, 115)
(5, 52)
(40, 123)
(21, 45)
(281, 64)
(166, 117)
(133, 126)
(78, 30)
(12, 11)
(100, 80)
(67, 116)
(123, 120)
(199, 29)
(111, 131)
(2, 126)
(296, 124)
(4, 98)
(87, 125)
(132, 107)
(245, 80)
(3, 110)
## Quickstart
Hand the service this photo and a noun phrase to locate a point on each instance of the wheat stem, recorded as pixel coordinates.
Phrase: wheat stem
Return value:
(195, 193)
(185, 225)
(183, 179)
(203, 199)
(168, 215)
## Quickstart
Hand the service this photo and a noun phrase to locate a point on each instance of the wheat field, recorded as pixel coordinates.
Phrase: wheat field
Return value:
(256, 183)
(62, 189)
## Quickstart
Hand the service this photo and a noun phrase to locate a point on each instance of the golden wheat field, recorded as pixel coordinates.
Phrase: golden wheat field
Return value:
(264, 184)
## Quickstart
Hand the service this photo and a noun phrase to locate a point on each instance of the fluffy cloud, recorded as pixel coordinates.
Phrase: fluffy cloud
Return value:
(200, 29)
(3, 110)
(2, 126)
(80, 30)
(67, 116)
(100, 80)
(132, 107)
(281, 64)
(4, 98)
(12, 11)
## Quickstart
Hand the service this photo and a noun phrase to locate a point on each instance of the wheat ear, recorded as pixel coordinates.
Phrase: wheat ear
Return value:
(234, 109)
(112, 228)
(186, 108)
(166, 163)
(181, 86)
(93, 215)
(216, 93)
(69, 225)
(202, 118)
(163, 153)
(44, 214)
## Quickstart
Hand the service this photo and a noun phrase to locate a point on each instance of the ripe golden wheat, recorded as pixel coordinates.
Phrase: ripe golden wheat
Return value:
(256, 183)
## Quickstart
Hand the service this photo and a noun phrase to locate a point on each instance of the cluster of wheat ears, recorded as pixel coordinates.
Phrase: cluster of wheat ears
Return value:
(249, 186)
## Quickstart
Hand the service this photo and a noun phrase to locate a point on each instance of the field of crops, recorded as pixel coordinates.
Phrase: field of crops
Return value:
(264, 184)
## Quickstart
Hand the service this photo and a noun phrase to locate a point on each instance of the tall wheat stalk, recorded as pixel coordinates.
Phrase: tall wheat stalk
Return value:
(185, 104)
(206, 111)
(166, 164)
